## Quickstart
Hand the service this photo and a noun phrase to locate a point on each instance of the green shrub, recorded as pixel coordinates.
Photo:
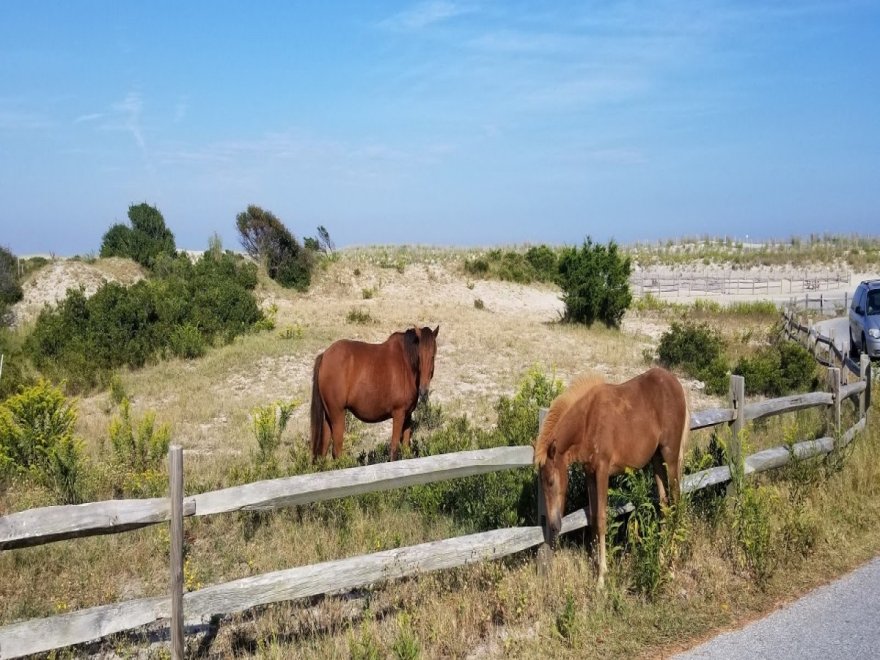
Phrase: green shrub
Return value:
(144, 241)
(514, 267)
(266, 239)
(781, 368)
(544, 262)
(699, 350)
(10, 287)
(518, 416)
(37, 440)
(595, 283)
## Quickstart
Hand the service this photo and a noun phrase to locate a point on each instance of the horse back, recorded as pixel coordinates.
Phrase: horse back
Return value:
(626, 423)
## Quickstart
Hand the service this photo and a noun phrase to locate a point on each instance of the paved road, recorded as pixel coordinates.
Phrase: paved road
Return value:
(839, 620)
(837, 329)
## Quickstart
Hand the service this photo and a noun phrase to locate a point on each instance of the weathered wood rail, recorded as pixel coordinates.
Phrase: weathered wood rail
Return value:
(37, 526)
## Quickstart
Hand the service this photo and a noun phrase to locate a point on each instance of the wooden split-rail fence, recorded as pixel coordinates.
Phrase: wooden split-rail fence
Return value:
(45, 525)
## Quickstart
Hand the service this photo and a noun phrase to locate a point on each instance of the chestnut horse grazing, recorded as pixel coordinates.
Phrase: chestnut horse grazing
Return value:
(375, 382)
(609, 428)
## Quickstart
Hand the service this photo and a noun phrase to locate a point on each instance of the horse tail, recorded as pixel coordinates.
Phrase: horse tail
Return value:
(685, 432)
(318, 411)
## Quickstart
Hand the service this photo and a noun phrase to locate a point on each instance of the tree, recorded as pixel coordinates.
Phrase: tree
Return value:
(265, 238)
(146, 239)
(595, 283)
(324, 240)
(10, 288)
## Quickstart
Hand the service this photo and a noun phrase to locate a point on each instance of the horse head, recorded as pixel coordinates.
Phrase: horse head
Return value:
(420, 345)
(427, 352)
(554, 485)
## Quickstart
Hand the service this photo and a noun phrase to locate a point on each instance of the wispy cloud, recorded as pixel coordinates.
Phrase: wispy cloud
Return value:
(129, 110)
(89, 117)
(424, 14)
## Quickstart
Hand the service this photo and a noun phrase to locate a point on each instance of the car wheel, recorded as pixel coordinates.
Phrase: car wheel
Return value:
(864, 347)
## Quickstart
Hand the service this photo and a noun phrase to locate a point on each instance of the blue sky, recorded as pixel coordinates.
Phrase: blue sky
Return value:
(440, 122)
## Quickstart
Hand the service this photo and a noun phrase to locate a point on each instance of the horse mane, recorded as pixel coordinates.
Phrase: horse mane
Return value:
(558, 408)
(410, 342)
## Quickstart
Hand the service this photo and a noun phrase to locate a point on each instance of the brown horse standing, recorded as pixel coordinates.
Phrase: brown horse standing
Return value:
(375, 382)
(609, 428)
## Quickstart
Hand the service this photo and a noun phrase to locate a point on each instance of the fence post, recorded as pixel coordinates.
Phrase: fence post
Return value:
(737, 397)
(834, 386)
(175, 471)
(864, 375)
(545, 553)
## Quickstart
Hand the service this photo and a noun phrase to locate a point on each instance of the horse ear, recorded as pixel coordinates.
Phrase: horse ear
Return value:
(436, 331)
(412, 335)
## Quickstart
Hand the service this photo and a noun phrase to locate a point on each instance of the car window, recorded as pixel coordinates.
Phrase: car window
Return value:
(873, 306)
(858, 298)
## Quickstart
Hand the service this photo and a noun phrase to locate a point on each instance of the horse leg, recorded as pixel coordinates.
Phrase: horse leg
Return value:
(601, 515)
(337, 426)
(673, 472)
(659, 469)
(592, 512)
(396, 429)
(407, 430)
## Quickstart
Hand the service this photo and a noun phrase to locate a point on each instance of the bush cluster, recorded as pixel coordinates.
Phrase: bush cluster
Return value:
(184, 308)
(699, 350)
(782, 368)
(595, 283)
(143, 241)
(537, 264)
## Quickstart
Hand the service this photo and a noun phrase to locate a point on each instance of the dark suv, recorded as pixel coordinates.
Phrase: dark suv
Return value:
(864, 319)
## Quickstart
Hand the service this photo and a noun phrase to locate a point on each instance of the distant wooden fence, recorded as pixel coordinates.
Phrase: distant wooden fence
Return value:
(688, 283)
(44, 525)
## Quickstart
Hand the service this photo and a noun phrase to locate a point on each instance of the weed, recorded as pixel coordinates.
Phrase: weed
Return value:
(268, 425)
(479, 304)
(359, 317)
(117, 390)
(369, 293)
(566, 620)
(406, 645)
(294, 331)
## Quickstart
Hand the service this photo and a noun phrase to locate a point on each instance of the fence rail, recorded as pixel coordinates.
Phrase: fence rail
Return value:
(53, 523)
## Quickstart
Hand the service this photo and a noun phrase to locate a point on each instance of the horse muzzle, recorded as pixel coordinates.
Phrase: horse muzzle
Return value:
(424, 392)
